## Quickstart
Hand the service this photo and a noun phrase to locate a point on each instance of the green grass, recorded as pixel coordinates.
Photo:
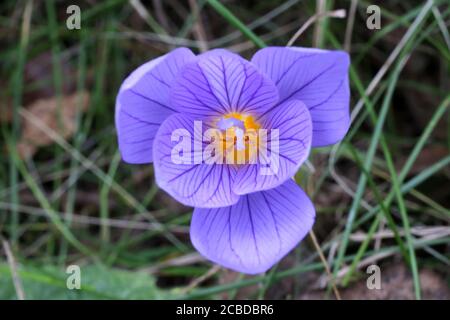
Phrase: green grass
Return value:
(75, 202)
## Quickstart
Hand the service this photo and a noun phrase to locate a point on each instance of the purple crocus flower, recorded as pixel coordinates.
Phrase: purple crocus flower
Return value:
(243, 220)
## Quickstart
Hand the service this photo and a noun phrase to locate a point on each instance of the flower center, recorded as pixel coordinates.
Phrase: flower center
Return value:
(240, 143)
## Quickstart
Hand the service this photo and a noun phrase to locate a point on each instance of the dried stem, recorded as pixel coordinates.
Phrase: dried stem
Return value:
(13, 266)
(325, 264)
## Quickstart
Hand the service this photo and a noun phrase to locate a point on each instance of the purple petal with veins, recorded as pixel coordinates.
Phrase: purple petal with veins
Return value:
(197, 185)
(318, 78)
(293, 121)
(255, 233)
(143, 104)
(221, 83)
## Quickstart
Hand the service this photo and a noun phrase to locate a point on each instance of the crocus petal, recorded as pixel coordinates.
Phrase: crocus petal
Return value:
(143, 104)
(255, 233)
(193, 184)
(293, 121)
(319, 78)
(220, 82)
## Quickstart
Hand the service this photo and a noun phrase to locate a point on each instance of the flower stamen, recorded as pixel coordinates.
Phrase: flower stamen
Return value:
(241, 138)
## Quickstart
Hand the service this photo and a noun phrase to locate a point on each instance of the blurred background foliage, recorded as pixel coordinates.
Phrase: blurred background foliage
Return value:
(382, 195)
